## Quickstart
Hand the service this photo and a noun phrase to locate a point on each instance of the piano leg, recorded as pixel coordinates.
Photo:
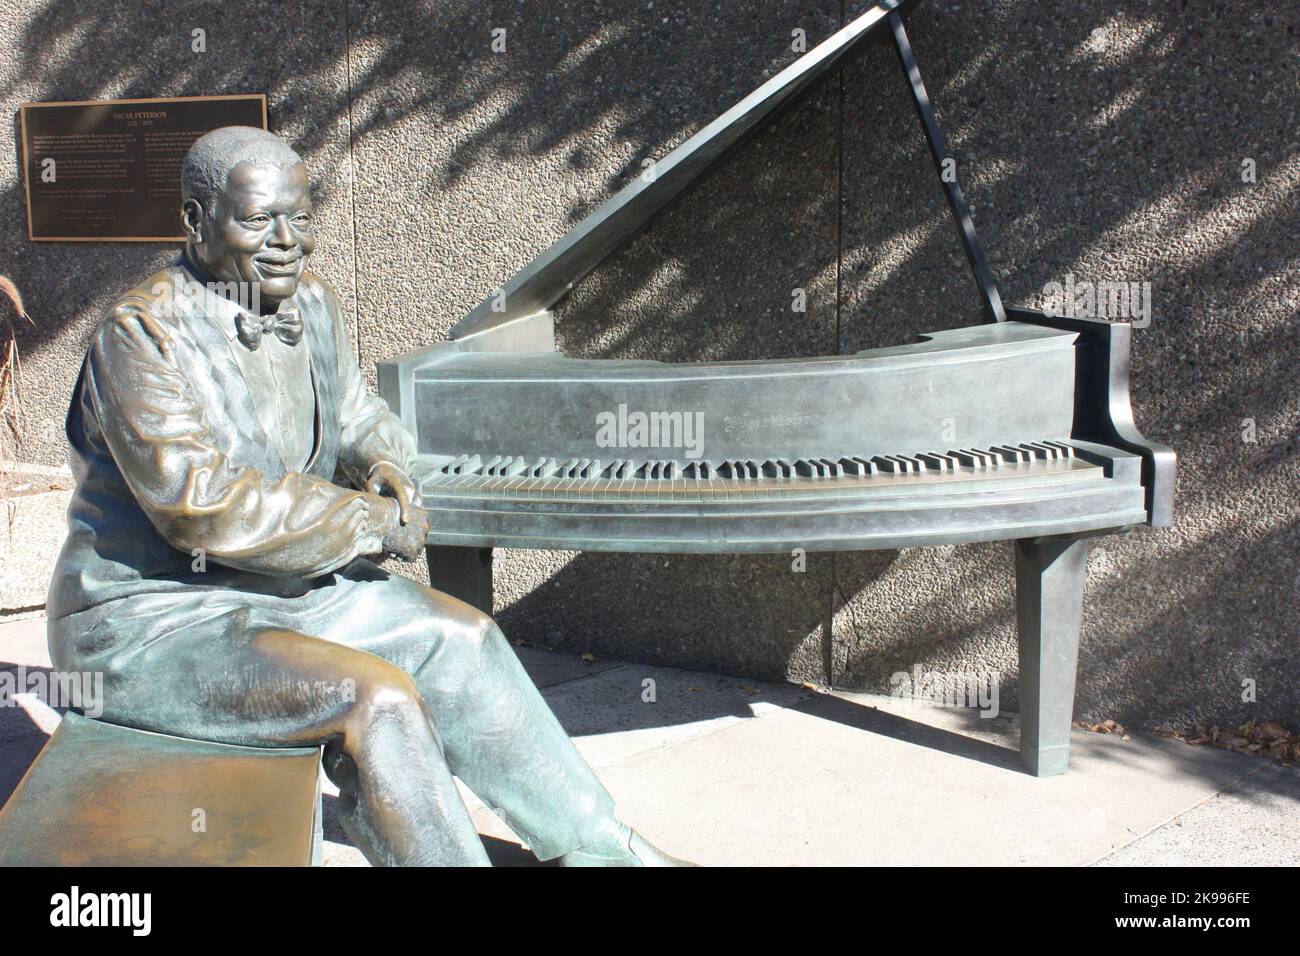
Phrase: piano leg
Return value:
(1049, 603)
(464, 573)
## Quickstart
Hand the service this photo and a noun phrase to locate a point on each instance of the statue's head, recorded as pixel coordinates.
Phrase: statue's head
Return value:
(246, 209)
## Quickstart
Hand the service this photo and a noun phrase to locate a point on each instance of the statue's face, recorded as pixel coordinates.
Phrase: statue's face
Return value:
(260, 231)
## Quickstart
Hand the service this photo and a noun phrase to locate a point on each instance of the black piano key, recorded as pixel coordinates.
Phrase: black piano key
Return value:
(982, 458)
(1037, 452)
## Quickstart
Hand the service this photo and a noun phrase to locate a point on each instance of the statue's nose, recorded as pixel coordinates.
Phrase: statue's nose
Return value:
(282, 236)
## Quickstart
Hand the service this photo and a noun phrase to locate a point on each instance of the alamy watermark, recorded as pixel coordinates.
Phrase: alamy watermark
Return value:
(947, 689)
(60, 690)
(180, 298)
(1111, 301)
(74, 908)
(636, 429)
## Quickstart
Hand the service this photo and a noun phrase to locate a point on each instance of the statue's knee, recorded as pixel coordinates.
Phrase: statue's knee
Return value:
(468, 651)
(384, 694)
(463, 624)
(476, 634)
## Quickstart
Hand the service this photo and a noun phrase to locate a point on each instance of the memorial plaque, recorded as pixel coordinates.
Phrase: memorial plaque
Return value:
(100, 170)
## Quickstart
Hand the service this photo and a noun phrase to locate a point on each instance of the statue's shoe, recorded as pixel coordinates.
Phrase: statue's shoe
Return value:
(619, 845)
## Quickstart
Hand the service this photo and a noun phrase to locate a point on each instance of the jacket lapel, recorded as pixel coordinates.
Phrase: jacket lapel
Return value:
(318, 334)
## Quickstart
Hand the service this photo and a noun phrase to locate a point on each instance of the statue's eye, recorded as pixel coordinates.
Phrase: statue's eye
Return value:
(258, 220)
(302, 219)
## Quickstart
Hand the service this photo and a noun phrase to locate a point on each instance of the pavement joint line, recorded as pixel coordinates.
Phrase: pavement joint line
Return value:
(623, 665)
(1181, 813)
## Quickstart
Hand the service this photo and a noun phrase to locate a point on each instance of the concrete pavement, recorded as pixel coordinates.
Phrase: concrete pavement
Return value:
(726, 771)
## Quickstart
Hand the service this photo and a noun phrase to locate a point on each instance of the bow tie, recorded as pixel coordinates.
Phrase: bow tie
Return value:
(285, 325)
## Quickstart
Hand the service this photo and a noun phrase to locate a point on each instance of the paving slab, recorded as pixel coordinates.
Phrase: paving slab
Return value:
(637, 708)
(548, 668)
(1256, 821)
(614, 711)
(31, 537)
(22, 641)
(831, 782)
(726, 771)
(25, 726)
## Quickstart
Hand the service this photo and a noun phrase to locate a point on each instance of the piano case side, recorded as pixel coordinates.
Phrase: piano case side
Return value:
(532, 333)
(1103, 412)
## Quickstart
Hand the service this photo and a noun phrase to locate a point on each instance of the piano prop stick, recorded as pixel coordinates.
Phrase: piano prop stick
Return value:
(846, 457)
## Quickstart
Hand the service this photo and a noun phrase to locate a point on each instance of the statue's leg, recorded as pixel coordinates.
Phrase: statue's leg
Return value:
(498, 733)
(272, 686)
(502, 739)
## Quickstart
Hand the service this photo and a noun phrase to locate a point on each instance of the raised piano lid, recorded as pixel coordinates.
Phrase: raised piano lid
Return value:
(548, 278)
(517, 317)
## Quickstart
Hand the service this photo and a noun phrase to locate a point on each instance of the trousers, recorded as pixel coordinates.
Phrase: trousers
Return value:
(403, 686)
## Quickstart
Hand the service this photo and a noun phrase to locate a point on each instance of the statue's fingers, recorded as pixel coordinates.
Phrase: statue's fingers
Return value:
(402, 492)
(412, 491)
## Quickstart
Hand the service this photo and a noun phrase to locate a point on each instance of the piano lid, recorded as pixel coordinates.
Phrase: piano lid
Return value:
(550, 276)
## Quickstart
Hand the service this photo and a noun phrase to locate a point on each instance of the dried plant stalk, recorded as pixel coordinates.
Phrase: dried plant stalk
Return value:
(12, 411)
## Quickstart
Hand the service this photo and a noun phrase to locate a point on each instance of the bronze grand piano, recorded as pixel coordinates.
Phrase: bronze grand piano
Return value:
(1018, 428)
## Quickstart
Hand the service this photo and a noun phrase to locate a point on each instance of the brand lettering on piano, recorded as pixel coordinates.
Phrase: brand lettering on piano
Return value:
(947, 689)
(735, 423)
(625, 429)
(1110, 301)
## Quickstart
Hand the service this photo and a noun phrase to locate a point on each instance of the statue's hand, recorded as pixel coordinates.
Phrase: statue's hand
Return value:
(406, 541)
(406, 537)
(388, 480)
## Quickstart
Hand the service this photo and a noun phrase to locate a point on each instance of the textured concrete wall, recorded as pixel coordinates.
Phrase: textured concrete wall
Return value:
(1102, 140)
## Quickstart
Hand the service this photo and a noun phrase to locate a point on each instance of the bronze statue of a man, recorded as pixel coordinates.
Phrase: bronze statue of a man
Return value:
(233, 474)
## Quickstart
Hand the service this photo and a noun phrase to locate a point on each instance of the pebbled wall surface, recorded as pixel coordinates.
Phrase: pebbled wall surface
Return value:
(1104, 141)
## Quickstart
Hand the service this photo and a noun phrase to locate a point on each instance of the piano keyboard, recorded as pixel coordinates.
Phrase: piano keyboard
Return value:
(511, 477)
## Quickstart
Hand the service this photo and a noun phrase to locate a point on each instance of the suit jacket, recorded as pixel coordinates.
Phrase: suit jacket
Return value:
(171, 459)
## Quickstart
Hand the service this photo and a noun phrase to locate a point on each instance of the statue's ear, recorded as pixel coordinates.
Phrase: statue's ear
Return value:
(192, 220)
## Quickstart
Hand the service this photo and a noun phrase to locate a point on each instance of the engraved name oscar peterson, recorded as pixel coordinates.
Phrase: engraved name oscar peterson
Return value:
(234, 475)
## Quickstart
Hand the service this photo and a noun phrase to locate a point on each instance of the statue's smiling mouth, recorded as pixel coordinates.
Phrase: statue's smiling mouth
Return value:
(275, 266)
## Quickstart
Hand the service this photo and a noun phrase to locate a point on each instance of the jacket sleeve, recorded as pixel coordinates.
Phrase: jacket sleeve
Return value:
(171, 456)
(370, 432)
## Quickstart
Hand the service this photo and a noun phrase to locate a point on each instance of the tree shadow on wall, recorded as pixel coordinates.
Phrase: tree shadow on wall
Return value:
(558, 84)
(1075, 127)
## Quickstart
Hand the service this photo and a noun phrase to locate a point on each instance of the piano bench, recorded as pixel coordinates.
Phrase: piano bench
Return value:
(103, 795)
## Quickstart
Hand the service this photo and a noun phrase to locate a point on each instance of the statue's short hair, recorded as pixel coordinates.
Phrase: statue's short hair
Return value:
(213, 155)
